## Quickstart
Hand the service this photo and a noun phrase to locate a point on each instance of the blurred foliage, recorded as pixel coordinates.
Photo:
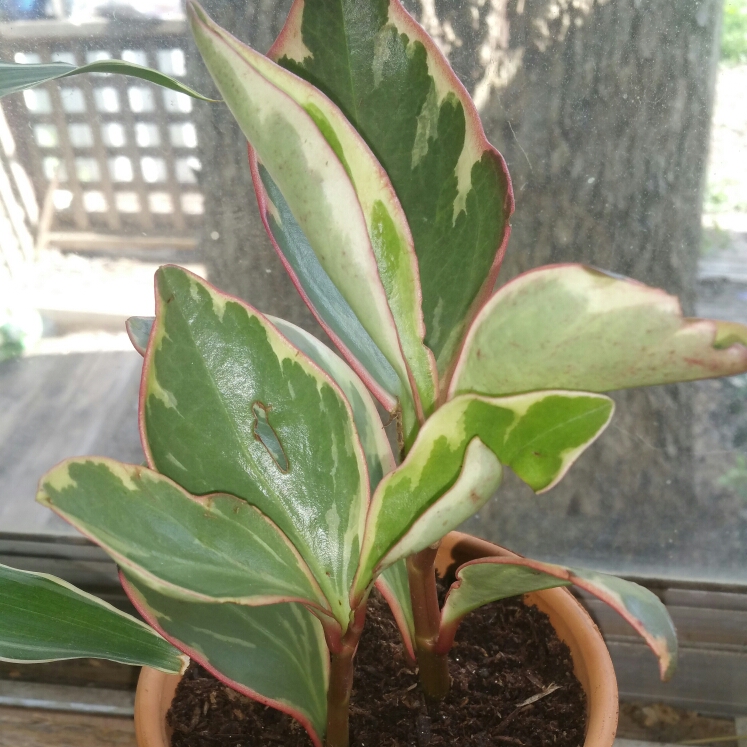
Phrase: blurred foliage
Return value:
(734, 35)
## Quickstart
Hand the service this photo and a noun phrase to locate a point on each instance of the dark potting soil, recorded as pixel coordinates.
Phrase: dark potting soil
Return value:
(512, 684)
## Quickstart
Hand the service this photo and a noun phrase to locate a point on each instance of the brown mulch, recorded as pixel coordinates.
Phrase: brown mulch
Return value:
(505, 654)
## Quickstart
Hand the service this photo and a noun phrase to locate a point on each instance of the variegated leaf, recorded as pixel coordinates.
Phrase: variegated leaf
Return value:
(274, 654)
(539, 435)
(338, 193)
(229, 405)
(43, 618)
(215, 548)
(397, 89)
(394, 586)
(138, 330)
(489, 579)
(574, 327)
(18, 77)
(373, 438)
(331, 310)
(441, 483)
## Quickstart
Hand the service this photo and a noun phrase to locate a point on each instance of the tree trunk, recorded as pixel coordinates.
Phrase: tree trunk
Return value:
(602, 110)
(232, 242)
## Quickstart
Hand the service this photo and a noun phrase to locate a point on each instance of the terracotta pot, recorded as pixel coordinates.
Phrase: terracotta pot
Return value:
(591, 660)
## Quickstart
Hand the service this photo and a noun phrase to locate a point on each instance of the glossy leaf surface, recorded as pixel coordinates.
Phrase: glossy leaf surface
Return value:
(210, 360)
(18, 77)
(539, 435)
(275, 654)
(394, 586)
(216, 548)
(43, 618)
(573, 327)
(437, 487)
(373, 438)
(489, 579)
(338, 193)
(397, 89)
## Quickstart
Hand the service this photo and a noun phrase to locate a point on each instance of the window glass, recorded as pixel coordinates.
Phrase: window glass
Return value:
(624, 126)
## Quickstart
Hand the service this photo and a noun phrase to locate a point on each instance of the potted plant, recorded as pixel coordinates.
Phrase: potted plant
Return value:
(272, 502)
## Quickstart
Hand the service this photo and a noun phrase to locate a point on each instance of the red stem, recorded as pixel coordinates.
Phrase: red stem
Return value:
(434, 667)
(342, 653)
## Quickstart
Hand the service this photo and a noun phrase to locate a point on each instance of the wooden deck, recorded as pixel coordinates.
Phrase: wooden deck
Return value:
(58, 406)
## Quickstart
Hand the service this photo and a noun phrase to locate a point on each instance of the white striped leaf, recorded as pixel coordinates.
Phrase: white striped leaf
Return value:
(574, 327)
(373, 438)
(395, 86)
(275, 654)
(43, 618)
(228, 405)
(16, 77)
(394, 586)
(489, 579)
(215, 548)
(539, 435)
(337, 191)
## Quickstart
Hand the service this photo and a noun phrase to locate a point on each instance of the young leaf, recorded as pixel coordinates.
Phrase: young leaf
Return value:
(210, 360)
(394, 85)
(373, 438)
(216, 548)
(337, 191)
(17, 77)
(539, 435)
(489, 579)
(573, 327)
(43, 618)
(138, 330)
(439, 485)
(275, 654)
(394, 586)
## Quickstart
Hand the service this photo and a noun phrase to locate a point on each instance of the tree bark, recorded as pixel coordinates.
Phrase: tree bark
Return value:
(602, 110)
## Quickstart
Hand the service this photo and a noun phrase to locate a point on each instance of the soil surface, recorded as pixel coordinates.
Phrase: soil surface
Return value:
(512, 684)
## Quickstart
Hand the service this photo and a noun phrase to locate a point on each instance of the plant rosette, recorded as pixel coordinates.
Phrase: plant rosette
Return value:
(591, 660)
(272, 502)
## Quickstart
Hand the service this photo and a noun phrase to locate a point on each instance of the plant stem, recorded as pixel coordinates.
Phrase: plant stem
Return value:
(341, 681)
(434, 667)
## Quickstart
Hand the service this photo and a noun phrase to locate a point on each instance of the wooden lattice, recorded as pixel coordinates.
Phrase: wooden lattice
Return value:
(114, 160)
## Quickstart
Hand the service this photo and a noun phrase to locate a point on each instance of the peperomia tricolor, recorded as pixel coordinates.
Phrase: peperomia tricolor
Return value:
(272, 502)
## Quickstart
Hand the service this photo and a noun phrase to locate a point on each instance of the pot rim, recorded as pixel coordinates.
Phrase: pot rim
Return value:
(591, 659)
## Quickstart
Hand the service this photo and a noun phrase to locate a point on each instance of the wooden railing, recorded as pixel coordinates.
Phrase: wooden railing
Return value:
(113, 160)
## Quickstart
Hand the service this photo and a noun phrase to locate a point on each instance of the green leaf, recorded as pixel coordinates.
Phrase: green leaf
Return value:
(539, 435)
(43, 618)
(274, 654)
(397, 89)
(216, 548)
(438, 486)
(138, 330)
(210, 360)
(373, 438)
(17, 77)
(353, 222)
(573, 327)
(327, 304)
(489, 579)
(394, 586)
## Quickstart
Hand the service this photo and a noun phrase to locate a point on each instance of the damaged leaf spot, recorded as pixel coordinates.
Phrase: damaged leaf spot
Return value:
(265, 434)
